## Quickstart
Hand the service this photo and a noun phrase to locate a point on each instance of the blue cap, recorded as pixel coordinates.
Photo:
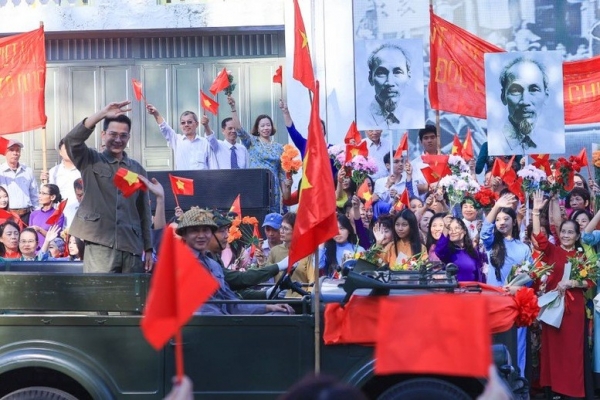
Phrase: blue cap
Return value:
(273, 220)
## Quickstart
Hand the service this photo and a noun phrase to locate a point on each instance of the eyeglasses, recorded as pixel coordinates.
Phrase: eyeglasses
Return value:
(285, 229)
(114, 135)
(45, 194)
(31, 241)
(187, 122)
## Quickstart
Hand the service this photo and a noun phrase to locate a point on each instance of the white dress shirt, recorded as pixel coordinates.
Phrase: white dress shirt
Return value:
(21, 186)
(378, 151)
(221, 153)
(189, 154)
(63, 178)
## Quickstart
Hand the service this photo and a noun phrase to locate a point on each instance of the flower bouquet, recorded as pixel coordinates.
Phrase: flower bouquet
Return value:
(244, 233)
(290, 162)
(485, 198)
(229, 89)
(338, 154)
(532, 178)
(460, 183)
(583, 268)
(361, 167)
(564, 171)
(522, 274)
(371, 256)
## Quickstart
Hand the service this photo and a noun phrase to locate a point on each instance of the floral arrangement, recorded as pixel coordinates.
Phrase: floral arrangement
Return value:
(338, 154)
(361, 167)
(533, 178)
(290, 162)
(372, 255)
(460, 183)
(457, 165)
(415, 263)
(522, 274)
(485, 198)
(564, 171)
(527, 306)
(242, 232)
(229, 89)
(583, 267)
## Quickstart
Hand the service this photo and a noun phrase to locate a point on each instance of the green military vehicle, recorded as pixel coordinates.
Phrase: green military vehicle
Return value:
(55, 343)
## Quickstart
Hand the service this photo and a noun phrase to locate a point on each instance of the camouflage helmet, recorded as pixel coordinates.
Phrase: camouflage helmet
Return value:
(196, 216)
(220, 219)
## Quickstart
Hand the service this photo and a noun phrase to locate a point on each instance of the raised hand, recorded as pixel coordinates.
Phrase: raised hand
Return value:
(538, 200)
(507, 200)
(152, 110)
(153, 186)
(115, 109)
(52, 233)
(231, 102)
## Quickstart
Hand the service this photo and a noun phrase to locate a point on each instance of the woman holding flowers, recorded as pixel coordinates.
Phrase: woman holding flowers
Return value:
(264, 152)
(564, 352)
(500, 237)
(407, 241)
(455, 246)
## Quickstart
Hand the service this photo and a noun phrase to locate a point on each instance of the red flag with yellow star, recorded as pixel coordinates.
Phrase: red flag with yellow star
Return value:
(221, 82)
(314, 225)
(352, 136)
(359, 150)
(128, 182)
(303, 69)
(364, 193)
(208, 104)
(542, 161)
(438, 165)
(403, 146)
(236, 207)
(457, 146)
(182, 186)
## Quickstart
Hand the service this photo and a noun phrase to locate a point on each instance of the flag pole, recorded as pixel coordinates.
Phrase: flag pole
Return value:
(179, 356)
(391, 152)
(439, 133)
(176, 199)
(317, 311)
(44, 155)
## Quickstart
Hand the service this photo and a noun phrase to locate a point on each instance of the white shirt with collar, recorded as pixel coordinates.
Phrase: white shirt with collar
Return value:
(64, 177)
(383, 192)
(21, 186)
(221, 153)
(189, 154)
(378, 151)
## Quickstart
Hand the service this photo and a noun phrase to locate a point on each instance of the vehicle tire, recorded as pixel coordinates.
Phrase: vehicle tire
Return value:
(38, 393)
(424, 388)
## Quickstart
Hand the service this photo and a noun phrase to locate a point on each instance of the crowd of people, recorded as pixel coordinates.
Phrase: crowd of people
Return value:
(119, 234)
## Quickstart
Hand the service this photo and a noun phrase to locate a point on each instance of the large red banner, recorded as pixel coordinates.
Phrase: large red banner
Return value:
(22, 81)
(457, 82)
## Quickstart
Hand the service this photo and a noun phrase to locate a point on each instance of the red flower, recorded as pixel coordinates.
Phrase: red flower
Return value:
(527, 305)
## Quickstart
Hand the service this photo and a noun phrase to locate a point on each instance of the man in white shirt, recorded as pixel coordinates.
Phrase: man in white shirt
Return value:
(228, 153)
(389, 189)
(191, 151)
(19, 182)
(429, 140)
(64, 175)
(377, 149)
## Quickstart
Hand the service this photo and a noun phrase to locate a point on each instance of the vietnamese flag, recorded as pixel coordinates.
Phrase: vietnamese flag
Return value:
(278, 77)
(208, 104)
(582, 158)
(23, 81)
(467, 148)
(457, 69)
(236, 207)
(128, 182)
(180, 285)
(438, 164)
(403, 202)
(542, 161)
(303, 69)
(358, 150)
(364, 193)
(429, 175)
(399, 350)
(53, 219)
(137, 89)
(4, 145)
(314, 225)
(221, 82)
(457, 147)
(182, 186)
(255, 234)
(353, 135)
(402, 147)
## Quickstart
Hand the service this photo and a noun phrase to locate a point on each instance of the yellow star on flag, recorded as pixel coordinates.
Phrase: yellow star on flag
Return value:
(305, 183)
(131, 178)
(180, 184)
(304, 39)
(207, 103)
(367, 196)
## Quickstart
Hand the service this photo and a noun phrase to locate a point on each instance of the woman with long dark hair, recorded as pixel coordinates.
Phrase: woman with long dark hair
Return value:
(336, 249)
(9, 240)
(435, 229)
(8, 215)
(407, 240)
(455, 246)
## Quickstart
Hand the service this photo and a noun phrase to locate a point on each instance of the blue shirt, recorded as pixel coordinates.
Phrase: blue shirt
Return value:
(516, 253)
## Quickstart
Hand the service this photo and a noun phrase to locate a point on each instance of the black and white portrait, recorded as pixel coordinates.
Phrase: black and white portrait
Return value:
(524, 97)
(389, 84)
